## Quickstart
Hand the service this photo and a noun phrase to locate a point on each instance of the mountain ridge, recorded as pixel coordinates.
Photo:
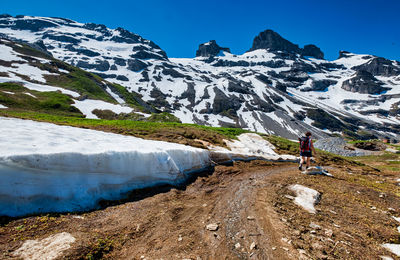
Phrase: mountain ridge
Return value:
(276, 88)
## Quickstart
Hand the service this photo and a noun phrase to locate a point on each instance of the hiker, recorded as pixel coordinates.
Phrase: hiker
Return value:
(306, 150)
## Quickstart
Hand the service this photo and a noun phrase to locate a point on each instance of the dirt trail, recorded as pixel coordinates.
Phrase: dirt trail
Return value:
(172, 225)
(254, 218)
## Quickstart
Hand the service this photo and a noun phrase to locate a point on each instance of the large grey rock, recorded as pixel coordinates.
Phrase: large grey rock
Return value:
(365, 83)
(210, 49)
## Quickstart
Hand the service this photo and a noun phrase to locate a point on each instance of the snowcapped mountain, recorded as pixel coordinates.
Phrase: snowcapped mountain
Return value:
(276, 87)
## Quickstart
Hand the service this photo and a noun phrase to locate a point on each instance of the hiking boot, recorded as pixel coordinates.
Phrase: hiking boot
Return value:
(300, 167)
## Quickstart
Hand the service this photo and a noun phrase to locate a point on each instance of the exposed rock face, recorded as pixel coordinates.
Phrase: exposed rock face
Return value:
(365, 83)
(271, 40)
(380, 67)
(313, 51)
(210, 49)
(320, 85)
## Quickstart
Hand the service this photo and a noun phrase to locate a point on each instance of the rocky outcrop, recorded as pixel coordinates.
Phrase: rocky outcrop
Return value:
(380, 67)
(313, 51)
(365, 83)
(272, 41)
(210, 49)
(320, 85)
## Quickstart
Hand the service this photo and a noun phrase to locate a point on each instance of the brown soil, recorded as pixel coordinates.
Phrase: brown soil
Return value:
(248, 202)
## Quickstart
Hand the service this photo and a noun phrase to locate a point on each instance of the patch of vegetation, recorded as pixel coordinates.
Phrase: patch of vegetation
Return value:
(30, 51)
(85, 83)
(167, 131)
(46, 102)
(163, 117)
(284, 145)
(99, 248)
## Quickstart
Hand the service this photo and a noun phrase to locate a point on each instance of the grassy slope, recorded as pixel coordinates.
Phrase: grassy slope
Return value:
(167, 131)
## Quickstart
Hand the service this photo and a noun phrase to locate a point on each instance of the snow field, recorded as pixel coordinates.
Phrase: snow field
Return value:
(50, 168)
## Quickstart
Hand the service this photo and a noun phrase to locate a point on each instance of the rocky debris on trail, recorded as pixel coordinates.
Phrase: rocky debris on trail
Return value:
(339, 146)
(317, 170)
(305, 197)
(212, 227)
(392, 150)
(47, 248)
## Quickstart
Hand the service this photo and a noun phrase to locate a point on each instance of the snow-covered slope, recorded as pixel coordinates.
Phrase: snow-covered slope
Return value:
(37, 71)
(276, 87)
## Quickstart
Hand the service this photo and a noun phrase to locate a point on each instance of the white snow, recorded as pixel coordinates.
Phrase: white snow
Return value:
(47, 168)
(7, 54)
(48, 248)
(88, 105)
(2, 106)
(249, 146)
(8, 92)
(394, 248)
(39, 87)
(305, 197)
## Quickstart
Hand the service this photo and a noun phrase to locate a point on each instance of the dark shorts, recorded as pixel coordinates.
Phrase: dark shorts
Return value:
(306, 154)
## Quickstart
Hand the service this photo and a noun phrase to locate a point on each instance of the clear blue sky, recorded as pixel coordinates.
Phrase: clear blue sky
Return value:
(179, 26)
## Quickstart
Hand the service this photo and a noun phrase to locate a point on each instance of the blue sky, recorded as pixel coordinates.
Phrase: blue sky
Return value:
(179, 26)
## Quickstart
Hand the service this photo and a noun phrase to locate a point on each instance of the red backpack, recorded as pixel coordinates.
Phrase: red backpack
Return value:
(305, 144)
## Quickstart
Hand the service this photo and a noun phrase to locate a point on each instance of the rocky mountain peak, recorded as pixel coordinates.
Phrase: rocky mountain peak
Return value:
(272, 41)
(313, 51)
(210, 49)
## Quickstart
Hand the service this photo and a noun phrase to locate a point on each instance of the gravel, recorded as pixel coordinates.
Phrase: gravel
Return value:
(338, 146)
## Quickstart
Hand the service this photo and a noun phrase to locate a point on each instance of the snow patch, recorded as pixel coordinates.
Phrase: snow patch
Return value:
(394, 248)
(249, 146)
(1, 106)
(51, 168)
(305, 197)
(47, 248)
(88, 105)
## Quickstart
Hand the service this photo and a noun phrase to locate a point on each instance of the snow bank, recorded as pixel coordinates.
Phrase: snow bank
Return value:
(249, 146)
(48, 248)
(305, 197)
(394, 248)
(51, 168)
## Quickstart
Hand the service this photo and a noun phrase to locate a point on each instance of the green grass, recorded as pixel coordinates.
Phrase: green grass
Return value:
(45, 102)
(83, 82)
(163, 117)
(123, 126)
(363, 141)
